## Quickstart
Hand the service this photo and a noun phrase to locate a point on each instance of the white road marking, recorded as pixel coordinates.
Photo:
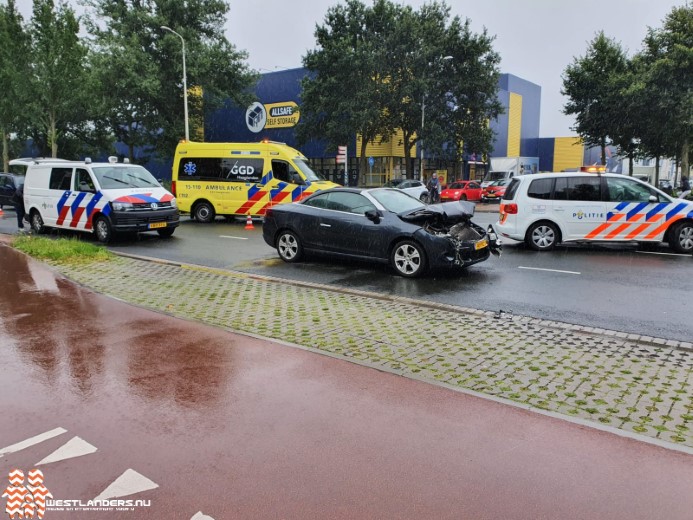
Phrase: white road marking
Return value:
(75, 447)
(200, 516)
(128, 483)
(656, 253)
(549, 270)
(237, 238)
(32, 440)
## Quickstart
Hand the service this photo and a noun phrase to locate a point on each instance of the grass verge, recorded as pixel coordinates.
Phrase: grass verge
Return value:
(62, 250)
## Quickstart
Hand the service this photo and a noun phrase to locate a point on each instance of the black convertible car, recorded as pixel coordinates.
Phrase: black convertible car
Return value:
(382, 225)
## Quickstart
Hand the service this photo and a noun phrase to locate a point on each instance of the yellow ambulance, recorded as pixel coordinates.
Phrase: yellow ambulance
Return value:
(211, 179)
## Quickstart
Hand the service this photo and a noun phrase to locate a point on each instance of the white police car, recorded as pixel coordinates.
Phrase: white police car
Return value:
(545, 209)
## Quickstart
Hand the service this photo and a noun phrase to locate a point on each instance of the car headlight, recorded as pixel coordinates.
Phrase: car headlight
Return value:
(122, 206)
(174, 204)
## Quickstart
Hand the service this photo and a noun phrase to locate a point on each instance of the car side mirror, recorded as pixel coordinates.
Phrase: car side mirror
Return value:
(373, 215)
(653, 198)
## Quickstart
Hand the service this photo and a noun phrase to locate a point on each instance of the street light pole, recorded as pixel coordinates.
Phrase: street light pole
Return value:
(423, 111)
(185, 83)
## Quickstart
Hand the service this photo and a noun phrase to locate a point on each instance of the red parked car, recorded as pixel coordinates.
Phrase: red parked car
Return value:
(495, 191)
(461, 190)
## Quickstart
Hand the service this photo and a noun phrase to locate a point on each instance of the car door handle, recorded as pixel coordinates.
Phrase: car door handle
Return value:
(326, 225)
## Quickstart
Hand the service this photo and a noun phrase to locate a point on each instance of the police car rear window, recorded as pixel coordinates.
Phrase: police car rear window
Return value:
(540, 189)
(511, 190)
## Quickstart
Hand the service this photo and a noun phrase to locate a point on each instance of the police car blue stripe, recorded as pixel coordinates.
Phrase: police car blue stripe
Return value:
(77, 202)
(93, 202)
(636, 210)
(676, 210)
(657, 209)
(63, 200)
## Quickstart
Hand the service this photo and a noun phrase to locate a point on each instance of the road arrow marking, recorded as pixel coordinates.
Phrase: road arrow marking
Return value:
(229, 236)
(200, 516)
(128, 483)
(32, 440)
(75, 447)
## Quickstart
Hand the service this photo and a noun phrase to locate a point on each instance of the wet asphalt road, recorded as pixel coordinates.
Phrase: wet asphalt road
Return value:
(236, 427)
(612, 287)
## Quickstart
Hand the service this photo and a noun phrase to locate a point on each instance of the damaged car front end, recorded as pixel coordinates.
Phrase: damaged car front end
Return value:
(458, 241)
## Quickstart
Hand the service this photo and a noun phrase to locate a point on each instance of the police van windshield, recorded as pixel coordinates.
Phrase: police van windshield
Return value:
(111, 177)
(306, 170)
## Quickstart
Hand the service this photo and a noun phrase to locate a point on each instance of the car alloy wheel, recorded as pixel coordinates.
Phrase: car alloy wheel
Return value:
(683, 238)
(542, 236)
(289, 247)
(408, 259)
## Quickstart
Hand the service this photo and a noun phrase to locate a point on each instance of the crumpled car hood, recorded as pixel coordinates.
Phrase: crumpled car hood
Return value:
(445, 213)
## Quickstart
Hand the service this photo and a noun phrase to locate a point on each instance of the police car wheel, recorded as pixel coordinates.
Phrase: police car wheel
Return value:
(542, 236)
(682, 237)
(289, 247)
(103, 230)
(409, 259)
(37, 223)
(204, 212)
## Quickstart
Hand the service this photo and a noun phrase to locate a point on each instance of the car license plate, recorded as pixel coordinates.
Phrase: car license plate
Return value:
(155, 225)
(481, 244)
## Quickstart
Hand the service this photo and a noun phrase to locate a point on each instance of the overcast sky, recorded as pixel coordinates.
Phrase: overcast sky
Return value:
(536, 39)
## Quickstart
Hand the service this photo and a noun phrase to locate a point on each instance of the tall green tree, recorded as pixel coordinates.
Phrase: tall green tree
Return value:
(58, 85)
(668, 59)
(344, 93)
(590, 84)
(14, 71)
(141, 66)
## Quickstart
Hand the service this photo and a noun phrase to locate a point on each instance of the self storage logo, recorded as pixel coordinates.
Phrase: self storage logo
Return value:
(273, 115)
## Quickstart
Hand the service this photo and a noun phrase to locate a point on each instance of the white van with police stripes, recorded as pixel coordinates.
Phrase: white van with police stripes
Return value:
(545, 209)
(99, 198)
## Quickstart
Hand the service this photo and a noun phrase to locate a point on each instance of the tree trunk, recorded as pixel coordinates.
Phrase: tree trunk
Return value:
(630, 164)
(685, 164)
(5, 152)
(362, 160)
(53, 137)
(603, 147)
(656, 179)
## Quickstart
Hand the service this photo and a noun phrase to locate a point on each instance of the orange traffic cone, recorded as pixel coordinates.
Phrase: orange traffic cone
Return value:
(1, 212)
(249, 223)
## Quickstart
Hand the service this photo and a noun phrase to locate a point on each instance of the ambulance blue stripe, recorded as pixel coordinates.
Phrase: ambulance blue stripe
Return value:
(253, 190)
(93, 202)
(676, 210)
(636, 210)
(63, 200)
(296, 193)
(279, 188)
(77, 201)
(267, 177)
(654, 211)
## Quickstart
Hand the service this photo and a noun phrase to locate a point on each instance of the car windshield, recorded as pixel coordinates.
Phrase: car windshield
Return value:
(456, 186)
(307, 171)
(494, 176)
(396, 201)
(114, 177)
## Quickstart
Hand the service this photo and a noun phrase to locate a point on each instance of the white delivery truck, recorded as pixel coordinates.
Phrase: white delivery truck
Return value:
(508, 167)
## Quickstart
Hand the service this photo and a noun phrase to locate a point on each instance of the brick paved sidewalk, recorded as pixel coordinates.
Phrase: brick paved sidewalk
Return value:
(634, 383)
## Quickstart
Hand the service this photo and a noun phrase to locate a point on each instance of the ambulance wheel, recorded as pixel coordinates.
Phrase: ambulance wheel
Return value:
(542, 236)
(37, 223)
(103, 230)
(289, 247)
(681, 239)
(204, 212)
(166, 232)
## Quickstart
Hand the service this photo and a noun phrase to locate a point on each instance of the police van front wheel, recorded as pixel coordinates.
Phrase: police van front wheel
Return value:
(682, 237)
(103, 230)
(204, 212)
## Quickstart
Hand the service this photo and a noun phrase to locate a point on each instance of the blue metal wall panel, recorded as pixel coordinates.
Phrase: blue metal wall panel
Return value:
(500, 126)
(545, 148)
(531, 111)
